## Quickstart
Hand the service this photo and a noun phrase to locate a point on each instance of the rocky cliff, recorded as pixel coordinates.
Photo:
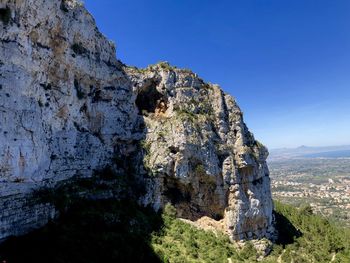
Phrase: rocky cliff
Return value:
(69, 108)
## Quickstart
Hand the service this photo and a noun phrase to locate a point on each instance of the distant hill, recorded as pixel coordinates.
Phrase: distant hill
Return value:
(332, 154)
(309, 152)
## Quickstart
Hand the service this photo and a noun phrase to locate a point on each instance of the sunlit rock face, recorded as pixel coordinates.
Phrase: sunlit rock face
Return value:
(200, 153)
(69, 108)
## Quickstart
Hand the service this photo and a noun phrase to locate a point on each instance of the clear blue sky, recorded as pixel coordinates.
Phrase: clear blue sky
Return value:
(287, 62)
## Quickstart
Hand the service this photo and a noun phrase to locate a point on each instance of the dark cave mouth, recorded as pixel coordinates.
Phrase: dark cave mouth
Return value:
(5, 15)
(183, 197)
(149, 99)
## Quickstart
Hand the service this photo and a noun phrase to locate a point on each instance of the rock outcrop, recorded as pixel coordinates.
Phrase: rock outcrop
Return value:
(68, 108)
(199, 152)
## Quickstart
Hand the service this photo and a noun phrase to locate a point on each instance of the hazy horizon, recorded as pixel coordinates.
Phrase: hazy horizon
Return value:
(286, 62)
(311, 146)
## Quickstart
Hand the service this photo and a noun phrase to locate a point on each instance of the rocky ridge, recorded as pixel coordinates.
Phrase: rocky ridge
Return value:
(69, 108)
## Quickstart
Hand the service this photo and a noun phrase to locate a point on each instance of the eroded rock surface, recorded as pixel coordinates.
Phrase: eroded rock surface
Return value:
(69, 108)
(66, 107)
(200, 152)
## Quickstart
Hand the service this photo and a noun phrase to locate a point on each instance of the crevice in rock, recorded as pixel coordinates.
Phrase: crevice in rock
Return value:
(173, 149)
(63, 7)
(258, 181)
(78, 89)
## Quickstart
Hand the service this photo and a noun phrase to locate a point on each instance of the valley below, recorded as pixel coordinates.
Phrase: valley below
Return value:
(322, 183)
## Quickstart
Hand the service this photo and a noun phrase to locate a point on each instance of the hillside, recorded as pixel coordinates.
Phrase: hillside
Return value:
(105, 231)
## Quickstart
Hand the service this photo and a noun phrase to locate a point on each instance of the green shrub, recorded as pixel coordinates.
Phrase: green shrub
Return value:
(181, 242)
(169, 211)
(200, 170)
(121, 231)
(185, 114)
(316, 240)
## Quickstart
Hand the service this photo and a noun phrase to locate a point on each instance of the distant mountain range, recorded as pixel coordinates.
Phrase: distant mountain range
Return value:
(342, 151)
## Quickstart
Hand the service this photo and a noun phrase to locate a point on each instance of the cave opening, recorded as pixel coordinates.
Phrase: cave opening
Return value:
(5, 15)
(148, 99)
(177, 192)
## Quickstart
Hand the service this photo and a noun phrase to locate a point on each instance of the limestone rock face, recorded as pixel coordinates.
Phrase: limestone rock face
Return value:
(68, 108)
(200, 153)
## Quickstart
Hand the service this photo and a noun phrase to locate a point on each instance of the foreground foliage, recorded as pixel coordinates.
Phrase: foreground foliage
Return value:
(305, 237)
(121, 231)
(181, 242)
